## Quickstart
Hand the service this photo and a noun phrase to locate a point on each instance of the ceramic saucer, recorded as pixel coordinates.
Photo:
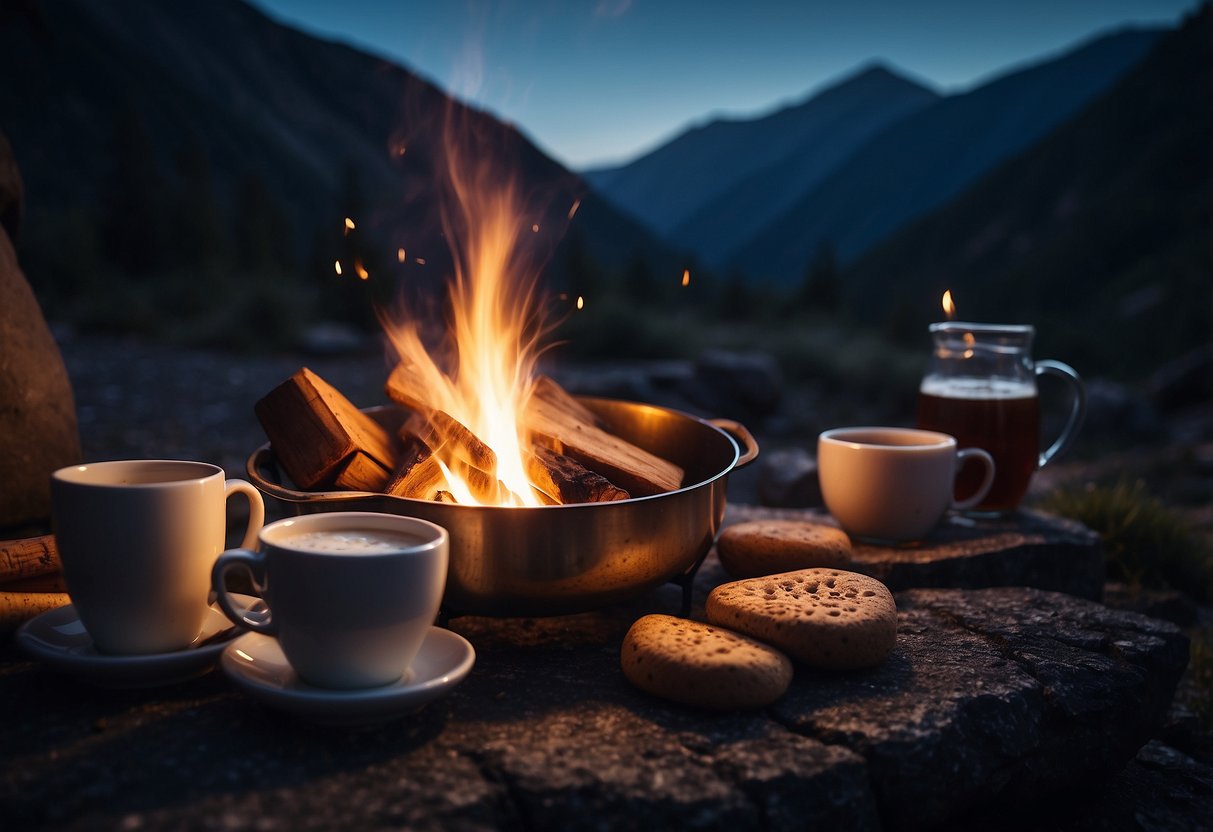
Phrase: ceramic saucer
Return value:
(59, 639)
(256, 664)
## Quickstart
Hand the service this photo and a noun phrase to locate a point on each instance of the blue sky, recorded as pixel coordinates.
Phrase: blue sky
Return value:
(601, 81)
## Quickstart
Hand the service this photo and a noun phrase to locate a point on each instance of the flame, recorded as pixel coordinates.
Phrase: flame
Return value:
(337, 267)
(363, 274)
(686, 277)
(949, 308)
(494, 322)
(399, 255)
(580, 302)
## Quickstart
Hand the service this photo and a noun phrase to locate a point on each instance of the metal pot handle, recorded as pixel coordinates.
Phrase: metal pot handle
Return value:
(745, 440)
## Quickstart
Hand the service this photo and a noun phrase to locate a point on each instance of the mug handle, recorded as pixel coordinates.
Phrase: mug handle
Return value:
(1078, 406)
(987, 462)
(258, 620)
(256, 509)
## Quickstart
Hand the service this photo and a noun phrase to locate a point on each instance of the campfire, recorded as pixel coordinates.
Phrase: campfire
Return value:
(483, 428)
(567, 454)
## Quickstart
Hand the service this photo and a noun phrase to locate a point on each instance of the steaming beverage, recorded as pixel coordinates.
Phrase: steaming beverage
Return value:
(350, 595)
(354, 541)
(1001, 416)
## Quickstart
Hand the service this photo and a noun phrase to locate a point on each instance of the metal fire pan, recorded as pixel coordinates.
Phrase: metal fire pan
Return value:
(551, 560)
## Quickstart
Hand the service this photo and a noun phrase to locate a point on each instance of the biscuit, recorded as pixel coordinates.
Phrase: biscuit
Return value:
(699, 664)
(764, 547)
(824, 618)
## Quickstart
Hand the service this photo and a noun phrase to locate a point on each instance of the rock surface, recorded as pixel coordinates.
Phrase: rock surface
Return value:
(990, 696)
(37, 411)
(1027, 548)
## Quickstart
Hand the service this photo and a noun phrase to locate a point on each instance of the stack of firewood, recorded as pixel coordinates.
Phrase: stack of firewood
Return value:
(31, 580)
(324, 442)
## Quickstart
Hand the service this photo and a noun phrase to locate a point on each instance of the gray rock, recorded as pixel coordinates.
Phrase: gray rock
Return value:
(1027, 548)
(788, 479)
(38, 432)
(737, 385)
(1183, 381)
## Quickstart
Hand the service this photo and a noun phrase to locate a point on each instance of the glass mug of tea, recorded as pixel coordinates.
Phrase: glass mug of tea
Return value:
(980, 386)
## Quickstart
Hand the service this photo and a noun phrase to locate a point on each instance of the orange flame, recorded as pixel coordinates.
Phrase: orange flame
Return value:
(399, 255)
(686, 277)
(495, 320)
(949, 308)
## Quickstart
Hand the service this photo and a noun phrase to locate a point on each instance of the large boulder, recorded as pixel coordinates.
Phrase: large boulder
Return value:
(38, 431)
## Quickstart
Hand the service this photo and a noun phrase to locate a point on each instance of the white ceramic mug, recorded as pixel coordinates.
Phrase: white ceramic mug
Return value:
(892, 485)
(137, 539)
(350, 595)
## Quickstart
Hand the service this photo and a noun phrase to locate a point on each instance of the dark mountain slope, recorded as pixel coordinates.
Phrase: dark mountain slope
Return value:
(930, 156)
(1099, 234)
(691, 172)
(125, 101)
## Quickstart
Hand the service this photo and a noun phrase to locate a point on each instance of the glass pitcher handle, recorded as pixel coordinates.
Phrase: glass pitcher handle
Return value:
(1078, 406)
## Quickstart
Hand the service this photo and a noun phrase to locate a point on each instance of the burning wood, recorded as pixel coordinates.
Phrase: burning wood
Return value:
(321, 438)
(323, 441)
(419, 475)
(556, 422)
(567, 481)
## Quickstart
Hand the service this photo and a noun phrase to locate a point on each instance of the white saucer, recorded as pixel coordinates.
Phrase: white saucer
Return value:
(59, 639)
(256, 664)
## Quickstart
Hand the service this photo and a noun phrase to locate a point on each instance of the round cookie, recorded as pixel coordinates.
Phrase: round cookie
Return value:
(825, 618)
(764, 547)
(699, 664)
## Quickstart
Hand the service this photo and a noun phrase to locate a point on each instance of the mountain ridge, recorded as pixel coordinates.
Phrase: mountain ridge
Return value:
(916, 164)
(668, 184)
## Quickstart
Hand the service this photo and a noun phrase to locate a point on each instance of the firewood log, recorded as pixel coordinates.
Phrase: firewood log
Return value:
(315, 430)
(567, 481)
(460, 443)
(359, 472)
(18, 607)
(419, 476)
(27, 557)
(628, 466)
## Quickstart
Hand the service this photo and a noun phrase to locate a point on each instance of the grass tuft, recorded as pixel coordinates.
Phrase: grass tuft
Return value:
(1145, 543)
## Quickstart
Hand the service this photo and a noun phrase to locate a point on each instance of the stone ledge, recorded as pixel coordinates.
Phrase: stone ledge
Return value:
(990, 697)
(1028, 548)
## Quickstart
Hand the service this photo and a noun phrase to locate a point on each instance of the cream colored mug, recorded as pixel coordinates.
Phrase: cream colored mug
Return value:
(892, 485)
(137, 539)
(351, 595)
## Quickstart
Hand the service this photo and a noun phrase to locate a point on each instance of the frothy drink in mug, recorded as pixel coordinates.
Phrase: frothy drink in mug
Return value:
(1002, 417)
(353, 541)
(350, 595)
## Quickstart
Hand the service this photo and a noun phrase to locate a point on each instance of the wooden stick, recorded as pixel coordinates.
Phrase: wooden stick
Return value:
(314, 430)
(554, 396)
(460, 443)
(18, 607)
(567, 481)
(359, 472)
(404, 385)
(27, 557)
(419, 475)
(626, 465)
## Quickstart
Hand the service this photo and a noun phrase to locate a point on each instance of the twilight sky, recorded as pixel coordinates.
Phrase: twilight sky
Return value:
(602, 81)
